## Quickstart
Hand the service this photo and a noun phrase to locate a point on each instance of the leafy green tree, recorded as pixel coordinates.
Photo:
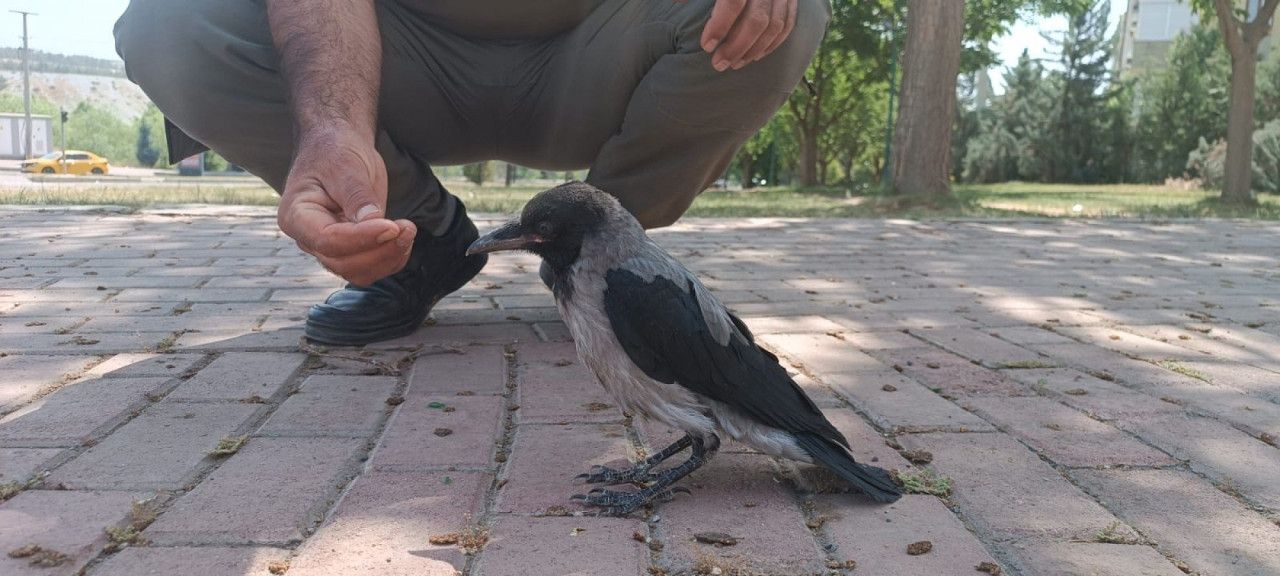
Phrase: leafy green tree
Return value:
(1180, 105)
(99, 131)
(1012, 138)
(479, 172)
(1084, 54)
(151, 149)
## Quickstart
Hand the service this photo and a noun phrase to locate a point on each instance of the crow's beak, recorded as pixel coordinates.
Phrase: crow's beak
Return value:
(507, 237)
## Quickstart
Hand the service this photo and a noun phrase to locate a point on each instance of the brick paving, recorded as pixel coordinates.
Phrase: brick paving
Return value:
(1103, 398)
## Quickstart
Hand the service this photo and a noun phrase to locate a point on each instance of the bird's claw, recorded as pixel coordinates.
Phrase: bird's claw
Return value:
(617, 503)
(610, 476)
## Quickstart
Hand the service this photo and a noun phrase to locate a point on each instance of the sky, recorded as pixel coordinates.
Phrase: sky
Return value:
(84, 27)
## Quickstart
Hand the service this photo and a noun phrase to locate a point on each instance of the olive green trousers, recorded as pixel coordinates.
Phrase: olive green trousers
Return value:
(621, 87)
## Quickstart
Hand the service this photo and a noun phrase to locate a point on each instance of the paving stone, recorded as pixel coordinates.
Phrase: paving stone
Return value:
(271, 492)
(383, 525)
(145, 364)
(78, 412)
(556, 387)
(21, 464)
(882, 340)
(1188, 518)
(579, 546)
(908, 407)
(792, 325)
(982, 347)
(332, 406)
(161, 449)
(949, 374)
(820, 353)
(1064, 435)
(27, 375)
(1096, 397)
(191, 295)
(738, 494)
(1006, 492)
(241, 375)
(1228, 456)
(411, 441)
(1026, 335)
(190, 561)
(1077, 558)
(478, 369)
(1227, 404)
(545, 458)
(250, 340)
(1130, 344)
(876, 535)
(69, 522)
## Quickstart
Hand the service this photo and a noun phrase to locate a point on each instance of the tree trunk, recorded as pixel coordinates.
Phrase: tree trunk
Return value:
(748, 166)
(809, 158)
(1238, 168)
(930, 64)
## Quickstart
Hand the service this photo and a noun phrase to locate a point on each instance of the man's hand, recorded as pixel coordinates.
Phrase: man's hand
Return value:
(334, 206)
(740, 32)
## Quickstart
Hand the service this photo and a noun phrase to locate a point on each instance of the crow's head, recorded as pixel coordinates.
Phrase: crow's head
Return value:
(554, 224)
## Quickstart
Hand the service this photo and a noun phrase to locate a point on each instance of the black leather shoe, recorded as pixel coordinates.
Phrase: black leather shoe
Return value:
(398, 304)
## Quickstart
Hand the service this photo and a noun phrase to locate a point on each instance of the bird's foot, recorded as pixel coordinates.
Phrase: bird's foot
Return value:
(612, 476)
(617, 503)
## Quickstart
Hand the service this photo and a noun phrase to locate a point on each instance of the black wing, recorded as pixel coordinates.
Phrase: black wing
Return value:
(662, 329)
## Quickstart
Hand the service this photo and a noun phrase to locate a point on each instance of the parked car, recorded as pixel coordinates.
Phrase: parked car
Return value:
(77, 162)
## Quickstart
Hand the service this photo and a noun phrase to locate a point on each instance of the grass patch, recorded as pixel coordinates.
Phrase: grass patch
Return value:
(1113, 534)
(1174, 366)
(10, 489)
(1012, 199)
(924, 481)
(228, 446)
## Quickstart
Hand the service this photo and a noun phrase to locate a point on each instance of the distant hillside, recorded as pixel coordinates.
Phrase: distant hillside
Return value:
(11, 59)
(122, 97)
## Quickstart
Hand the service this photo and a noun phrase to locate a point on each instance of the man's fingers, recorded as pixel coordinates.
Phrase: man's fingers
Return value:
(348, 238)
(750, 25)
(768, 38)
(368, 267)
(723, 15)
(792, 8)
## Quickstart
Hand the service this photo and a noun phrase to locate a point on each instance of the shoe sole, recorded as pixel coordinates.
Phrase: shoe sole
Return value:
(335, 336)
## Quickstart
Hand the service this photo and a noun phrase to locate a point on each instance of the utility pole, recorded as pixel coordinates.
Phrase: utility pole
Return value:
(63, 159)
(26, 77)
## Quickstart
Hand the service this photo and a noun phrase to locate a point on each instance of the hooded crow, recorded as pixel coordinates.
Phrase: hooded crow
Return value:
(665, 348)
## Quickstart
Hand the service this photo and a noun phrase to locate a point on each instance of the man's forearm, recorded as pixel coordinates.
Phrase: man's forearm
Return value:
(331, 55)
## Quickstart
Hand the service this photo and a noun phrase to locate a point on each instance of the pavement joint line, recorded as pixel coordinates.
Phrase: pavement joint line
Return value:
(510, 424)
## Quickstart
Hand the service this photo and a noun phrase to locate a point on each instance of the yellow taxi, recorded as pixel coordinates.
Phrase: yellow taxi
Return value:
(77, 162)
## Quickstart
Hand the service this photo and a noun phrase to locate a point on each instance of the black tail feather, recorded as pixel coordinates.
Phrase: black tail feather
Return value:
(872, 481)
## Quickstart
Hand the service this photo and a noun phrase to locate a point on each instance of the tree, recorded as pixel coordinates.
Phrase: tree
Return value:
(1181, 104)
(848, 65)
(151, 150)
(1084, 55)
(147, 152)
(930, 63)
(1243, 33)
(478, 173)
(99, 131)
(1012, 136)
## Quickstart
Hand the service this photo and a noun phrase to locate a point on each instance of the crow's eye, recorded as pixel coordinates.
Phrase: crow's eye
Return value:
(545, 229)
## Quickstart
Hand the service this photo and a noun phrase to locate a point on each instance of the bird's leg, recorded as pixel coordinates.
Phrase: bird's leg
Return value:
(638, 472)
(615, 503)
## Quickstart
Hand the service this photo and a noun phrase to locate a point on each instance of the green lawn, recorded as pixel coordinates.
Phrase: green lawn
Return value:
(989, 201)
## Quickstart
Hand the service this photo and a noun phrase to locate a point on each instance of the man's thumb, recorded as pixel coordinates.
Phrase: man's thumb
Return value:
(359, 205)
